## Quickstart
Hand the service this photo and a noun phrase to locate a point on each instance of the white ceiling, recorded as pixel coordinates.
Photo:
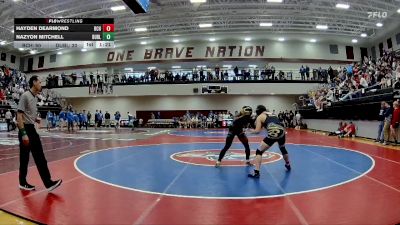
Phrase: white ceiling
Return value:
(231, 19)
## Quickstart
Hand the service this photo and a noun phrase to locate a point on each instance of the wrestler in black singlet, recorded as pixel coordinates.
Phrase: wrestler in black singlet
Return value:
(241, 122)
(275, 131)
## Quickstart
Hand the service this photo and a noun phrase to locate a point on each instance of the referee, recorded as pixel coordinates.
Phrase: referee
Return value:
(29, 139)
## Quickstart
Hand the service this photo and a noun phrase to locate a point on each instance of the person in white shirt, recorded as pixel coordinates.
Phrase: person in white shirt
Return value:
(363, 82)
(298, 120)
(330, 96)
(209, 122)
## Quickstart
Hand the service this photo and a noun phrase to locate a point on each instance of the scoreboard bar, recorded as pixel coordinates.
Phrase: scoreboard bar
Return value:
(64, 33)
(61, 28)
(56, 36)
(46, 21)
(64, 44)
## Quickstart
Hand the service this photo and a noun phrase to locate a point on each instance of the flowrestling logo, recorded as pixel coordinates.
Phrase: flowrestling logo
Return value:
(377, 15)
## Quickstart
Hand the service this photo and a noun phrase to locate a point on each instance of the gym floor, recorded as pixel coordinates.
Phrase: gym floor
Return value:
(157, 176)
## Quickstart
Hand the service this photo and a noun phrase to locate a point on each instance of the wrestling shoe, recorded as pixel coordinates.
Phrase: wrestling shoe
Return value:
(27, 187)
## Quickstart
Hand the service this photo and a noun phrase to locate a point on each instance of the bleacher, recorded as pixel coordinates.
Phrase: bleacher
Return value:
(158, 123)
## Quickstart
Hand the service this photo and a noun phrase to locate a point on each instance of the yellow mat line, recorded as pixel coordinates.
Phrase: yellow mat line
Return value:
(9, 219)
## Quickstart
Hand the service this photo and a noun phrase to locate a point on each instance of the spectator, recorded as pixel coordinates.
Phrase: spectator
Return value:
(8, 120)
(63, 119)
(49, 118)
(70, 119)
(340, 130)
(130, 120)
(89, 117)
(363, 82)
(117, 117)
(394, 124)
(349, 131)
(99, 119)
(388, 119)
(76, 120)
(85, 119)
(96, 117)
(381, 119)
(107, 117)
(302, 72)
(236, 71)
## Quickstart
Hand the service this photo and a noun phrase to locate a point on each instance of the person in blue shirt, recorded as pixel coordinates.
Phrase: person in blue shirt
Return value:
(96, 116)
(80, 118)
(55, 120)
(130, 120)
(85, 119)
(99, 119)
(76, 119)
(49, 118)
(350, 70)
(63, 117)
(70, 119)
(117, 117)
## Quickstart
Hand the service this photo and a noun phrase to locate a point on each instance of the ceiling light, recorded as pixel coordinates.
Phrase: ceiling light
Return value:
(201, 66)
(247, 39)
(281, 39)
(398, 11)
(21, 49)
(313, 40)
(176, 41)
(275, 1)
(364, 35)
(2, 43)
(227, 66)
(198, 1)
(265, 24)
(354, 41)
(12, 31)
(342, 6)
(205, 25)
(253, 66)
(151, 68)
(59, 53)
(272, 94)
(211, 39)
(118, 8)
(32, 52)
(176, 67)
(322, 27)
(379, 24)
(140, 29)
(129, 69)
(83, 50)
(143, 43)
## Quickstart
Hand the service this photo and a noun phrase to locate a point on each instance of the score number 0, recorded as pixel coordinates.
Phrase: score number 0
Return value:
(108, 27)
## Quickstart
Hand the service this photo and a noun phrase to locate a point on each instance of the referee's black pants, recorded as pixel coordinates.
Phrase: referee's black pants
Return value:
(8, 124)
(35, 146)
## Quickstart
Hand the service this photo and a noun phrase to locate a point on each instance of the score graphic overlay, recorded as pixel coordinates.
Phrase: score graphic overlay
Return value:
(63, 33)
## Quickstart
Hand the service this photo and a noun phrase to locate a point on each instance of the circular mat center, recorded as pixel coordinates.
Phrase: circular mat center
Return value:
(185, 170)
